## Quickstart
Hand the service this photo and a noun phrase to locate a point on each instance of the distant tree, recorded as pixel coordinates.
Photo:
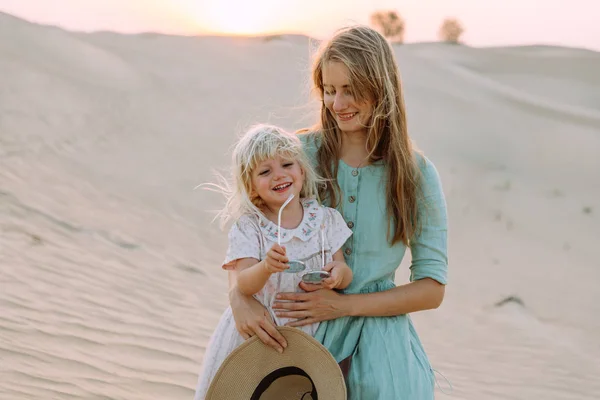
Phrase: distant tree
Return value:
(450, 31)
(390, 24)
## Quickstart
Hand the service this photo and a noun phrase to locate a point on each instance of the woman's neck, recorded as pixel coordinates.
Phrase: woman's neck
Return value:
(354, 149)
(291, 216)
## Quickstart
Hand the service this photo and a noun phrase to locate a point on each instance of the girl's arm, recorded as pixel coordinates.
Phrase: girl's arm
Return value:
(252, 275)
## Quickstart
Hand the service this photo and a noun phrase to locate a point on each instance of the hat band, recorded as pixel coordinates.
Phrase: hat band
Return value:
(280, 373)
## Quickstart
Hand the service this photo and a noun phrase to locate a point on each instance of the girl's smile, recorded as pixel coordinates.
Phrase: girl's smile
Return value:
(273, 180)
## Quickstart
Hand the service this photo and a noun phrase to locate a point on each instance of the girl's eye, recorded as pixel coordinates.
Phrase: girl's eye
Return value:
(288, 164)
(266, 171)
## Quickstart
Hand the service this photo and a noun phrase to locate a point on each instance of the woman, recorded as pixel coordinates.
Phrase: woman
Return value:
(391, 197)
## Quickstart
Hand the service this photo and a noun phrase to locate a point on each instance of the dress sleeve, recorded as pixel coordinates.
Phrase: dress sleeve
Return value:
(429, 247)
(336, 229)
(244, 242)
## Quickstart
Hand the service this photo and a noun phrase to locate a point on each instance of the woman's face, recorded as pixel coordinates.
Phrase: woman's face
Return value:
(350, 115)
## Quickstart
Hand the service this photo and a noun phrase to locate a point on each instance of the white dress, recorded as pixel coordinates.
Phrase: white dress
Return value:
(251, 237)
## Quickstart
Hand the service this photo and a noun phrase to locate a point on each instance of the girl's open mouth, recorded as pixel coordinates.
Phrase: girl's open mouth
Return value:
(282, 187)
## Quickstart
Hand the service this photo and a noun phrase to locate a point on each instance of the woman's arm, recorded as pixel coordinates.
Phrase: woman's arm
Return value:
(429, 264)
(252, 318)
(325, 304)
(424, 294)
(428, 272)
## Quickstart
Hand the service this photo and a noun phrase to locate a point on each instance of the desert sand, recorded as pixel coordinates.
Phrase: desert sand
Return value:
(109, 260)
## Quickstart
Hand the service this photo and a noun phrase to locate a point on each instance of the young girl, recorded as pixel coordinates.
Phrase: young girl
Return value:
(269, 166)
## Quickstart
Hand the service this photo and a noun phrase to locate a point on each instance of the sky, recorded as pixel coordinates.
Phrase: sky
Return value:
(504, 22)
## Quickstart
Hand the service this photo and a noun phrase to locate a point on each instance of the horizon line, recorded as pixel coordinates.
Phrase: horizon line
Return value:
(274, 34)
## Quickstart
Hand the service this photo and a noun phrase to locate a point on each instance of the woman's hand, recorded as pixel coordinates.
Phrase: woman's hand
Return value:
(251, 318)
(316, 306)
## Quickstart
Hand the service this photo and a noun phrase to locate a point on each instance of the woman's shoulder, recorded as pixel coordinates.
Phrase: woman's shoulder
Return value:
(426, 167)
(309, 137)
(311, 140)
(428, 175)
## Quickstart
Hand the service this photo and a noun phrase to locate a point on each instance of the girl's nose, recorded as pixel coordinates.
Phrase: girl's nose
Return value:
(278, 173)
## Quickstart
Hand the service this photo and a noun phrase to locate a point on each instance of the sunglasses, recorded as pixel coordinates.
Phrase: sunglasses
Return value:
(297, 265)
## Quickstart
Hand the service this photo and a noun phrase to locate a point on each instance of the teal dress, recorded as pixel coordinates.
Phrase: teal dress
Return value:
(388, 360)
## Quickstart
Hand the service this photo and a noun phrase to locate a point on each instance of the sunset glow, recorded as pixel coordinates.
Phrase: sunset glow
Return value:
(486, 24)
(238, 17)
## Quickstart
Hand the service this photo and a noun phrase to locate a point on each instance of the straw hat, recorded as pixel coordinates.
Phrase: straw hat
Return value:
(253, 371)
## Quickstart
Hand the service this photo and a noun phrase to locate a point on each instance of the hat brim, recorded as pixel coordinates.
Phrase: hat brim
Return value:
(243, 370)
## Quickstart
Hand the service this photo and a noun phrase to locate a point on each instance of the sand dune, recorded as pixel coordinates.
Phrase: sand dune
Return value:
(109, 284)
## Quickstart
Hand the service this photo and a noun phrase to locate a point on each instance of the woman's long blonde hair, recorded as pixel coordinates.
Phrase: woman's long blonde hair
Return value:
(259, 143)
(374, 75)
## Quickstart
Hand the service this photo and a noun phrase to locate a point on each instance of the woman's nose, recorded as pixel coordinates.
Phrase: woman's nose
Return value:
(339, 103)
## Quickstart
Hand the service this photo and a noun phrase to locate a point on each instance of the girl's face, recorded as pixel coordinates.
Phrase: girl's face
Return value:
(274, 179)
(351, 116)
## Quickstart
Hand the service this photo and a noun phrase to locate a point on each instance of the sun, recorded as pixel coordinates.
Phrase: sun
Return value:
(239, 17)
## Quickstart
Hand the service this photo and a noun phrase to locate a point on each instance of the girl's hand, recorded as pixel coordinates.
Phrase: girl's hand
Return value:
(276, 260)
(317, 306)
(338, 271)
